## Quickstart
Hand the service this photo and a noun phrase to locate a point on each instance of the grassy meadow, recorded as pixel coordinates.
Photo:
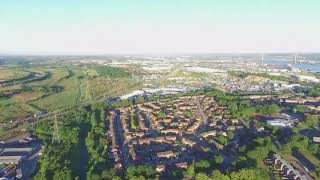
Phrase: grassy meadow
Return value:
(63, 87)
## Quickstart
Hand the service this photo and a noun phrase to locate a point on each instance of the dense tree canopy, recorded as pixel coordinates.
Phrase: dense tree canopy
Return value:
(268, 110)
(138, 172)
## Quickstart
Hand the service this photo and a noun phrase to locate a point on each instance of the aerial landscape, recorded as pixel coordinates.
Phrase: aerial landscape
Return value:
(121, 90)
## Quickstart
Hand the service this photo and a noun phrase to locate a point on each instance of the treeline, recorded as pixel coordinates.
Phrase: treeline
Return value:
(264, 75)
(60, 157)
(200, 170)
(81, 152)
(241, 108)
(99, 167)
(313, 91)
(243, 174)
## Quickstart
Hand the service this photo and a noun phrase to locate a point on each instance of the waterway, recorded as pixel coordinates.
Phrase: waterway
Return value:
(303, 66)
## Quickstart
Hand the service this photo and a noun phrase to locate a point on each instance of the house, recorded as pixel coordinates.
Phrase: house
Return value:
(312, 107)
(193, 127)
(174, 131)
(188, 142)
(166, 154)
(316, 139)
(184, 108)
(279, 122)
(223, 133)
(145, 141)
(19, 173)
(114, 146)
(231, 128)
(182, 165)
(167, 120)
(218, 145)
(171, 138)
(17, 151)
(160, 168)
(208, 133)
(142, 125)
(234, 121)
(213, 124)
(132, 152)
(258, 128)
(10, 159)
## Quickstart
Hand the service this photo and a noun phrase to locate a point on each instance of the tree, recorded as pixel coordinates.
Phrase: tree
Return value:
(140, 171)
(314, 92)
(218, 160)
(230, 135)
(26, 88)
(188, 113)
(258, 154)
(202, 165)
(202, 176)
(233, 108)
(262, 148)
(299, 109)
(249, 174)
(93, 120)
(312, 121)
(108, 174)
(269, 109)
(217, 175)
(287, 148)
(246, 113)
(176, 174)
(189, 173)
(223, 140)
(139, 99)
(162, 115)
(93, 176)
(58, 158)
(244, 104)
(313, 148)
(2, 129)
(64, 174)
(318, 170)
(102, 115)
(137, 178)
(116, 178)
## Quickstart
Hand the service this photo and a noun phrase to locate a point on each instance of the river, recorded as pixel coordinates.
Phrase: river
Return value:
(302, 66)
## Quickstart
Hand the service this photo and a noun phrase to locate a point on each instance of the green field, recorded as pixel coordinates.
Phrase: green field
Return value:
(62, 88)
(12, 74)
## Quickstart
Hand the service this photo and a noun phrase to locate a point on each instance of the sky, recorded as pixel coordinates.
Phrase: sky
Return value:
(158, 26)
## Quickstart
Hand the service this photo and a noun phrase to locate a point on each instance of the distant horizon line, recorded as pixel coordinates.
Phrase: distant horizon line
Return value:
(147, 53)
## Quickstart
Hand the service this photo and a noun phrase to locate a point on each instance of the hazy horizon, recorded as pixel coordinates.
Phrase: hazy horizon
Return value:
(151, 54)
